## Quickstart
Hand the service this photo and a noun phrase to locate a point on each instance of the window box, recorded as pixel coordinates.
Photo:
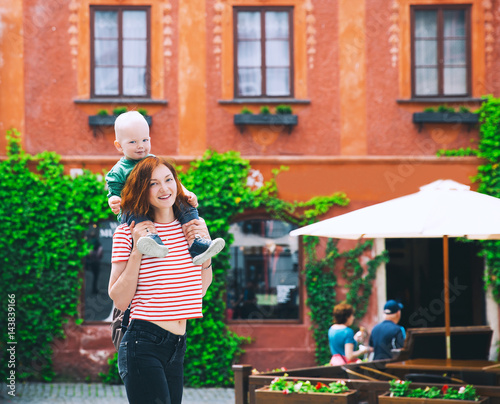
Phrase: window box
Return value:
(387, 399)
(266, 396)
(467, 118)
(287, 120)
(97, 121)
(109, 120)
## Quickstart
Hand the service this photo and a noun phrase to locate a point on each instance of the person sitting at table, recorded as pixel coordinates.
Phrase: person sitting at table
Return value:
(387, 335)
(341, 337)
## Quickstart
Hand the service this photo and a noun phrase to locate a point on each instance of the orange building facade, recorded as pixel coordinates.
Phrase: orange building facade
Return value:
(353, 75)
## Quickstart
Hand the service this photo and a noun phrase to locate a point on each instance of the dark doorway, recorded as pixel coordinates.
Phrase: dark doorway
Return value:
(414, 276)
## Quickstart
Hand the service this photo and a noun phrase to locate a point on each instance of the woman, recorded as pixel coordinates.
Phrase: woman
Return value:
(341, 337)
(162, 292)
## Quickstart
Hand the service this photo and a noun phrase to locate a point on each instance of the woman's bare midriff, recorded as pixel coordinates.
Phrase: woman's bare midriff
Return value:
(177, 327)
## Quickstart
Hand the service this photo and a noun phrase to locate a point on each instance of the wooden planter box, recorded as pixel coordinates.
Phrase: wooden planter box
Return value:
(288, 120)
(386, 399)
(266, 396)
(467, 118)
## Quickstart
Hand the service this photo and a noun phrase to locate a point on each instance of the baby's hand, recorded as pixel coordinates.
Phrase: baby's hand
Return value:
(192, 199)
(115, 203)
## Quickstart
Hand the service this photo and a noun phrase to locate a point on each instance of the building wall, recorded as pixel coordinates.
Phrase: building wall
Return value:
(352, 97)
(12, 99)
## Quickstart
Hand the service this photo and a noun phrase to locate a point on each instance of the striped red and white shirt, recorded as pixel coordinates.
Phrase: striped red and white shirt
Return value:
(168, 288)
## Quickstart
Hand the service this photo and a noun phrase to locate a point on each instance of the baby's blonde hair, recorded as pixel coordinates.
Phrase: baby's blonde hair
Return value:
(127, 121)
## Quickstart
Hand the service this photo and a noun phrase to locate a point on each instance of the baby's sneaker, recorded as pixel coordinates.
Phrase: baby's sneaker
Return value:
(152, 245)
(204, 249)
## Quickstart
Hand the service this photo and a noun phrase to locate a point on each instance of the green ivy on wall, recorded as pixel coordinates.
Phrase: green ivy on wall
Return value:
(44, 217)
(321, 281)
(488, 179)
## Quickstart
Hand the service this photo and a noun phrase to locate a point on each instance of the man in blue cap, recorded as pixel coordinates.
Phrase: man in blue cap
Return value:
(388, 334)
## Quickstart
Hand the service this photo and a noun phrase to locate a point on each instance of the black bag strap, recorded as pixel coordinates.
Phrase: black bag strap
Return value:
(125, 320)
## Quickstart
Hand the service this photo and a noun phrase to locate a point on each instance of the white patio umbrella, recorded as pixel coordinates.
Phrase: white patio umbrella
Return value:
(442, 209)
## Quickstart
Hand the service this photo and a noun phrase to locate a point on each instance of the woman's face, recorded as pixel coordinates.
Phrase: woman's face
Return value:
(162, 188)
(350, 320)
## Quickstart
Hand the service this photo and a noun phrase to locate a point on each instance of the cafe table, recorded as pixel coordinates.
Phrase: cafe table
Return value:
(456, 368)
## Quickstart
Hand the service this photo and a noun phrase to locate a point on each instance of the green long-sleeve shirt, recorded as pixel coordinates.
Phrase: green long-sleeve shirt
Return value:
(117, 176)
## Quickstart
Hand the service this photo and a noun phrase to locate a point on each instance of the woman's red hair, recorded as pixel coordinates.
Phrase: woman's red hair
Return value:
(135, 193)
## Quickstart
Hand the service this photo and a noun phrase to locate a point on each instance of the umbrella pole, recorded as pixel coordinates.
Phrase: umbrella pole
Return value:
(446, 297)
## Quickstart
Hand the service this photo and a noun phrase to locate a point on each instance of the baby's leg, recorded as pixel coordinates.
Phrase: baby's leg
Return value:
(201, 249)
(185, 213)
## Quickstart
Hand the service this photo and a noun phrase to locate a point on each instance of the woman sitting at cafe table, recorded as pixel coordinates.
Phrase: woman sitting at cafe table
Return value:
(341, 337)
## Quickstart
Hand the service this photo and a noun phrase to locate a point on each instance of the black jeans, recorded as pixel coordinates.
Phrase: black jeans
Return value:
(151, 364)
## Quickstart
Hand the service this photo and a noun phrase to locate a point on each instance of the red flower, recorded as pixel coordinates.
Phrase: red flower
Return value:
(285, 391)
(319, 385)
(444, 389)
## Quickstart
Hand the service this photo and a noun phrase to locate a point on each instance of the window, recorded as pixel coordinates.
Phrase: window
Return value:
(263, 282)
(440, 51)
(120, 57)
(263, 52)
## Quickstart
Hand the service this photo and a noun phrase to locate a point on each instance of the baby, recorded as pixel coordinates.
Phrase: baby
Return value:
(132, 139)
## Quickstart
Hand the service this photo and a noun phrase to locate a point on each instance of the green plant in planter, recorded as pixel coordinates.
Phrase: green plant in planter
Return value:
(284, 110)
(102, 112)
(246, 111)
(299, 386)
(119, 110)
(444, 109)
(264, 110)
(142, 111)
(428, 392)
(429, 109)
(463, 110)
(399, 388)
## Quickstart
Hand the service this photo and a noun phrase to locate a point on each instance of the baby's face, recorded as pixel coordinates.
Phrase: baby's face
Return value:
(135, 146)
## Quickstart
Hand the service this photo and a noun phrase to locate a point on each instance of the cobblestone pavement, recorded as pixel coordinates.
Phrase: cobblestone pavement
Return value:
(96, 393)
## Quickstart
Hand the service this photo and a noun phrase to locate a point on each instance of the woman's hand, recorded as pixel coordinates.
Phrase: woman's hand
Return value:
(125, 274)
(194, 228)
(141, 230)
